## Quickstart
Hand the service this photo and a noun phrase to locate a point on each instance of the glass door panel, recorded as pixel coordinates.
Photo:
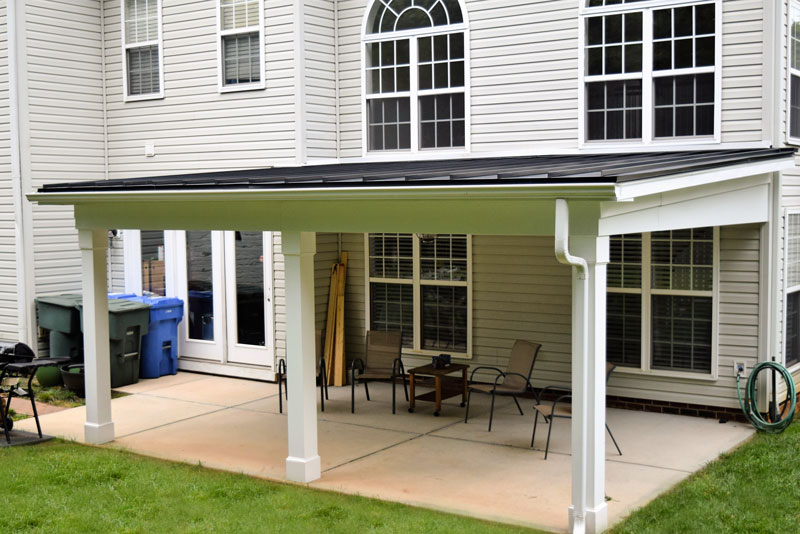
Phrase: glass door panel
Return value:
(200, 286)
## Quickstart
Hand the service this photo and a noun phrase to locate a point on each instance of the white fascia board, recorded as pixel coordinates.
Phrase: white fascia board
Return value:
(573, 191)
(653, 186)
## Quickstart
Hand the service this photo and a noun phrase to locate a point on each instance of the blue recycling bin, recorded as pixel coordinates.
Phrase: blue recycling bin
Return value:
(160, 345)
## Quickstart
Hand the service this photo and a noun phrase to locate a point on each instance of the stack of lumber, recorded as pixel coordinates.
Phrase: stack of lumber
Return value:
(334, 329)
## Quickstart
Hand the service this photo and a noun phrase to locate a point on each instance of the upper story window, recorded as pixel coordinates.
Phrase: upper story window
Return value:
(650, 72)
(794, 73)
(241, 45)
(141, 45)
(416, 65)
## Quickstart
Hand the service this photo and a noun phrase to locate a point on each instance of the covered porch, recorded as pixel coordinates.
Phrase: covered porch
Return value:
(433, 462)
(580, 200)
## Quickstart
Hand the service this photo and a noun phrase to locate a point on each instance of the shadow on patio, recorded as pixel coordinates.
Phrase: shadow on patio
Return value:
(418, 459)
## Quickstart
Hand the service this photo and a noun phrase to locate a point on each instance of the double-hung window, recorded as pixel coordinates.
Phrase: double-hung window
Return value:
(660, 301)
(141, 44)
(420, 285)
(241, 45)
(415, 76)
(792, 335)
(650, 70)
(794, 73)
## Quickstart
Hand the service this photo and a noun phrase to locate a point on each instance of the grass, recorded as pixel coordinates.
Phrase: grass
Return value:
(65, 487)
(752, 490)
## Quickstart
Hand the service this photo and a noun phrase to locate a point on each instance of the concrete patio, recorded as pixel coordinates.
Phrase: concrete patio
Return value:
(418, 459)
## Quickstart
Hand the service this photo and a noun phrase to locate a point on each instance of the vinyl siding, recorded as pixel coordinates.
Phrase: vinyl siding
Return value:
(524, 74)
(520, 291)
(194, 127)
(8, 267)
(65, 111)
(320, 78)
(279, 296)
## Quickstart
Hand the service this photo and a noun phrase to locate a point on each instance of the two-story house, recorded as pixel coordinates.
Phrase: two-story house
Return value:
(241, 145)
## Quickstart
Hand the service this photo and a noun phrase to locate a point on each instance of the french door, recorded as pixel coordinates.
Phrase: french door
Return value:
(225, 279)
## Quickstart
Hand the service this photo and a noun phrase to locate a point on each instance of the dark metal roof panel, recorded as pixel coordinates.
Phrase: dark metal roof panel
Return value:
(565, 169)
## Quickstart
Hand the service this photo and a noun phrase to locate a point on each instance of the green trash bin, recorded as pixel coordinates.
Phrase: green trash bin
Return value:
(128, 321)
(59, 315)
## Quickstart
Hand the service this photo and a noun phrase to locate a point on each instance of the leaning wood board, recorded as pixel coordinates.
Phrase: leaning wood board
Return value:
(330, 327)
(339, 372)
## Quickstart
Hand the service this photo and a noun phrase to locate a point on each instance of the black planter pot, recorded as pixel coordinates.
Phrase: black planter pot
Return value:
(73, 378)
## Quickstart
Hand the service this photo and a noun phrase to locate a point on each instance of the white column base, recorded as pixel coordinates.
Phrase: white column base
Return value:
(97, 434)
(303, 469)
(595, 522)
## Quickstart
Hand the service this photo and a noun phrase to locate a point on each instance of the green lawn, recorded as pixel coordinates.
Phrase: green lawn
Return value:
(64, 487)
(753, 490)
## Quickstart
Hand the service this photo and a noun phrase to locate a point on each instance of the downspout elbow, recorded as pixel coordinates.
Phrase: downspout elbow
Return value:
(562, 240)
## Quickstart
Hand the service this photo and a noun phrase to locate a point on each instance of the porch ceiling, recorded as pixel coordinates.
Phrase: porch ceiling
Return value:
(486, 196)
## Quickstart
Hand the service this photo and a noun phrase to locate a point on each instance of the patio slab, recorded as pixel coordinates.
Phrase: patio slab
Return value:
(216, 390)
(149, 384)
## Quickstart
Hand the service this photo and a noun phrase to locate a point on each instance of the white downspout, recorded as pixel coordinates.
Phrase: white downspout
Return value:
(23, 295)
(580, 384)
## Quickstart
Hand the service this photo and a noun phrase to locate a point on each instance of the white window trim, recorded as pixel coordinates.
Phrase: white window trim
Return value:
(646, 335)
(794, 6)
(221, 87)
(411, 35)
(787, 289)
(648, 108)
(125, 47)
(417, 284)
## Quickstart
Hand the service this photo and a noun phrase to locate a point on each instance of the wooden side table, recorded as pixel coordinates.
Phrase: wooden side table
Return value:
(444, 387)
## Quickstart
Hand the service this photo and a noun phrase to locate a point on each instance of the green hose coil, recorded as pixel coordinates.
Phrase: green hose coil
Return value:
(749, 406)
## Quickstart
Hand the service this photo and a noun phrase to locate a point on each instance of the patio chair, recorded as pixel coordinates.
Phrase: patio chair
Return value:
(560, 409)
(515, 380)
(381, 362)
(322, 375)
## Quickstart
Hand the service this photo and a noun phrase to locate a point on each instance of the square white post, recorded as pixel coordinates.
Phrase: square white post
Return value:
(99, 428)
(303, 463)
(589, 387)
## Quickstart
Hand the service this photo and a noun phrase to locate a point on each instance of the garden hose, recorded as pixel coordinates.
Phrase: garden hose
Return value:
(750, 407)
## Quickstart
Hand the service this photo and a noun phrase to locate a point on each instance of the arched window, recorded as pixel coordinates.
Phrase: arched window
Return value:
(415, 75)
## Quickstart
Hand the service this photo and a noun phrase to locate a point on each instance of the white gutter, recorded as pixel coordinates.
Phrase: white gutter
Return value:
(580, 383)
(23, 293)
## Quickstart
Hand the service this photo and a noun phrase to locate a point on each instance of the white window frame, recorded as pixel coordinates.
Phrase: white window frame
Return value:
(794, 8)
(787, 289)
(647, 77)
(159, 42)
(417, 284)
(646, 292)
(261, 84)
(414, 93)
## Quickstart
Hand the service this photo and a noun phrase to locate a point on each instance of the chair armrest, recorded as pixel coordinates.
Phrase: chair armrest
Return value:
(554, 388)
(397, 365)
(472, 374)
(360, 363)
(282, 367)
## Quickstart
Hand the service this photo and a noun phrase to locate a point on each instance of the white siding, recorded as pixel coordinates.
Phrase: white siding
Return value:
(65, 125)
(520, 291)
(320, 78)
(194, 127)
(8, 270)
(524, 74)
(279, 296)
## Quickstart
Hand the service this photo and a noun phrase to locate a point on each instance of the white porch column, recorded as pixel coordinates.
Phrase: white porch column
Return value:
(99, 428)
(303, 463)
(589, 387)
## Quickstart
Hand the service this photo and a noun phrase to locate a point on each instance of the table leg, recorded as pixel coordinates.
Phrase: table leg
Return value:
(464, 392)
(438, 384)
(411, 394)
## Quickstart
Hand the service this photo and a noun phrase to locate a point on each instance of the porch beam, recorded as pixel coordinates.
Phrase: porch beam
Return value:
(303, 463)
(99, 427)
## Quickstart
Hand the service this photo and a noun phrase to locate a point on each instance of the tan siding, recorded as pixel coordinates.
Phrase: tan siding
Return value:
(63, 56)
(8, 266)
(279, 295)
(320, 79)
(194, 127)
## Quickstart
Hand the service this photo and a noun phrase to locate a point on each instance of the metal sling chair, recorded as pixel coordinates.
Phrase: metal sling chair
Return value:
(322, 375)
(563, 410)
(515, 380)
(381, 362)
